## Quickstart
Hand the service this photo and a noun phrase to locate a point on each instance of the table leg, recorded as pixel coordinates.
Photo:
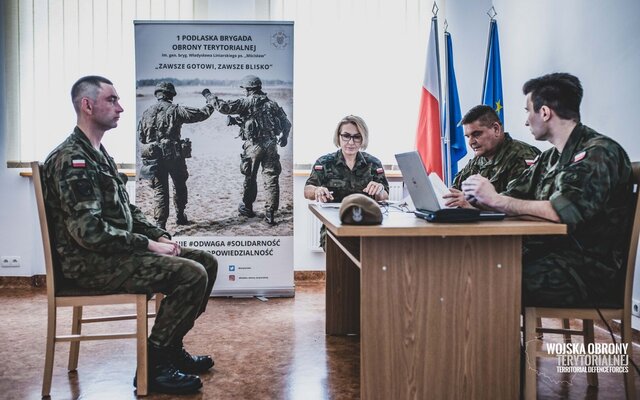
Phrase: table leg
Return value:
(342, 291)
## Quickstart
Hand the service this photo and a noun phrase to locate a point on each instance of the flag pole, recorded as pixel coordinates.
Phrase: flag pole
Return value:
(434, 19)
(492, 15)
(447, 120)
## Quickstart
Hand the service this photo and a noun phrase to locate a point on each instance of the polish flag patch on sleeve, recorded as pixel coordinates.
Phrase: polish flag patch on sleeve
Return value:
(531, 162)
(78, 163)
(380, 171)
(318, 167)
(579, 156)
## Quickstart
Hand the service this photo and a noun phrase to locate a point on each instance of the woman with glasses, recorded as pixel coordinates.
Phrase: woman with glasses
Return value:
(349, 170)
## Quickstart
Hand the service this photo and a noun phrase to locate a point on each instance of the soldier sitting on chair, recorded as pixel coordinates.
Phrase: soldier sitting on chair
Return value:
(582, 181)
(498, 157)
(105, 243)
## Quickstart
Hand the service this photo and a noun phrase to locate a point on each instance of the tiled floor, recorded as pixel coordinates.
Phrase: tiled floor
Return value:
(263, 350)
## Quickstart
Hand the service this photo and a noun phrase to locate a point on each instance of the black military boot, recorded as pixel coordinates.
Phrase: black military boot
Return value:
(185, 362)
(269, 218)
(164, 377)
(181, 218)
(246, 211)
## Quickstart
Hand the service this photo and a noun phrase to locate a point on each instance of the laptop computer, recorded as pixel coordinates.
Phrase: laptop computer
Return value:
(424, 195)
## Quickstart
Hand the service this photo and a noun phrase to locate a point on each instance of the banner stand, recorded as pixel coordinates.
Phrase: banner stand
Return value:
(215, 171)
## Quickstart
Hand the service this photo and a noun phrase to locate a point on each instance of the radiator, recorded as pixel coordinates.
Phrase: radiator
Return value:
(314, 235)
(396, 191)
(395, 194)
(131, 190)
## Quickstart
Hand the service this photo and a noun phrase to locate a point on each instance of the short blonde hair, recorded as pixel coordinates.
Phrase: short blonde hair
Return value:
(359, 123)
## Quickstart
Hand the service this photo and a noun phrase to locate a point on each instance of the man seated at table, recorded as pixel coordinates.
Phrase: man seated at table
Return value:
(584, 182)
(498, 157)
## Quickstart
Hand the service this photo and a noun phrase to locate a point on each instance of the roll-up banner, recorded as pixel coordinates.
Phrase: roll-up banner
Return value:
(214, 161)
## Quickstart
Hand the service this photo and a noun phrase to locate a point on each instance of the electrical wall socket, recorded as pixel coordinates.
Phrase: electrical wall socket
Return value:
(635, 307)
(9, 261)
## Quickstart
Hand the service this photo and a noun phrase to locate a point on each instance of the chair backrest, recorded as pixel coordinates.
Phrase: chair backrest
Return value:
(633, 242)
(53, 273)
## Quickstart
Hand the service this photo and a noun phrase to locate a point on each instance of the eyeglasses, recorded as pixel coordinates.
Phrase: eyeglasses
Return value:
(357, 139)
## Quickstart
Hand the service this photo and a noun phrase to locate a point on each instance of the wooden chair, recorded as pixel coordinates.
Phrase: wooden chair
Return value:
(588, 315)
(566, 327)
(61, 293)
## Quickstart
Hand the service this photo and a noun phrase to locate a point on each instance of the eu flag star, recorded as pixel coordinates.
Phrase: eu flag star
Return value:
(498, 107)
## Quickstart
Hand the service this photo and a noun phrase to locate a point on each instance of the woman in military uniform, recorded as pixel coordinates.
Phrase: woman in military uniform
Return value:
(349, 170)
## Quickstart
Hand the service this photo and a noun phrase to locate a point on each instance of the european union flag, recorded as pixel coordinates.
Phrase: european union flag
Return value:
(492, 89)
(457, 147)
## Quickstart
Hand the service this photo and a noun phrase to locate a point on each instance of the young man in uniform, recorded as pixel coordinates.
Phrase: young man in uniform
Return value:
(104, 242)
(584, 182)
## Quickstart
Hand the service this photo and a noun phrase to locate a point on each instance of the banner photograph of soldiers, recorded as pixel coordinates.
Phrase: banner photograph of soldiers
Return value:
(214, 150)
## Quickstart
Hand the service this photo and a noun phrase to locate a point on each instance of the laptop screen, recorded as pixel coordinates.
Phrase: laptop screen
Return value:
(417, 181)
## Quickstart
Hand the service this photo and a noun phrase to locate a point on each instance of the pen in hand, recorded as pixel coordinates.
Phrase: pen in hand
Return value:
(323, 197)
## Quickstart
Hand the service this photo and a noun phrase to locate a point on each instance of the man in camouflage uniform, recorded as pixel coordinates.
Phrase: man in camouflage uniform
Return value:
(164, 151)
(104, 242)
(498, 157)
(584, 182)
(263, 126)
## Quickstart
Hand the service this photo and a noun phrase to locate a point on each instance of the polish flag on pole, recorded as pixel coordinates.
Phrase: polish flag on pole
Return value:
(429, 134)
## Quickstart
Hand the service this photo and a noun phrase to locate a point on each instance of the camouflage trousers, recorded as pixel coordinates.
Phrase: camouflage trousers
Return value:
(186, 281)
(546, 284)
(253, 156)
(548, 277)
(177, 170)
(554, 274)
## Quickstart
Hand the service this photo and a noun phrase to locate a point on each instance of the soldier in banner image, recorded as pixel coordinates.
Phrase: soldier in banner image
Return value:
(584, 181)
(164, 152)
(498, 157)
(349, 170)
(263, 126)
(105, 243)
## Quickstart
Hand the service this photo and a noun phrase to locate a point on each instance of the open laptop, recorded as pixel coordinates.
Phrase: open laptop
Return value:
(424, 197)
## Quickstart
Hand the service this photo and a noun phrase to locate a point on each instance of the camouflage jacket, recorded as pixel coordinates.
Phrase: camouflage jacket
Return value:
(89, 211)
(164, 120)
(260, 117)
(508, 163)
(332, 172)
(589, 186)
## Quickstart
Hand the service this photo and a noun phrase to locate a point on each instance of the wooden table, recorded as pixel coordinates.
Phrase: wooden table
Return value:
(437, 305)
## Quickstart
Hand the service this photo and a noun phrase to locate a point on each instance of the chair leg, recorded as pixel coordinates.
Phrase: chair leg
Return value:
(566, 325)
(539, 325)
(50, 351)
(587, 327)
(141, 338)
(159, 298)
(531, 351)
(76, 329)
(629, 384)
